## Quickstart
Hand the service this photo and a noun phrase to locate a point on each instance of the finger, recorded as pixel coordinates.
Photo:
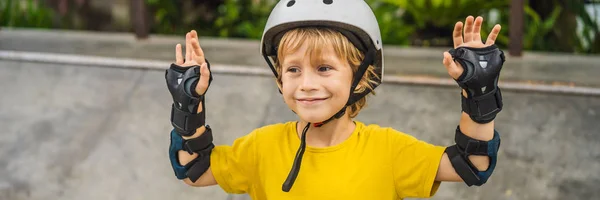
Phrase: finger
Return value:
(493, 35)
(188, 47)
(477, 29)
(178, 55)
(457, 34)
(196, 47)
(453, 70)
(468, 34)
(204, 78)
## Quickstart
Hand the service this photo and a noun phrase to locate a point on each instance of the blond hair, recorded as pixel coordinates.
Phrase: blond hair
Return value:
(317, 38)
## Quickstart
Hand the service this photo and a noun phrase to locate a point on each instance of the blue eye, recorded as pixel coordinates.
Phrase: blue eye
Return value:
(293, 69)
(324, 68)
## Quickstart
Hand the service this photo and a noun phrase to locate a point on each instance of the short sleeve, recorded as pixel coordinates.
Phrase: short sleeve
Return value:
(415, 164)
(233, 166)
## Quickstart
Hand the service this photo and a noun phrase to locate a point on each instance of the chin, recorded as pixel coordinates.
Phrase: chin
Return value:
(314, 116)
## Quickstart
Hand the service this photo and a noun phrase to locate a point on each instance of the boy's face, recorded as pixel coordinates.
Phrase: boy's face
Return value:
(315, 90)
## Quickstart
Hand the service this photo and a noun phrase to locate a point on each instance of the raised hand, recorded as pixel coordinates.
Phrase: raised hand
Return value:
(476, 66)
(470, 36)
(194, 56)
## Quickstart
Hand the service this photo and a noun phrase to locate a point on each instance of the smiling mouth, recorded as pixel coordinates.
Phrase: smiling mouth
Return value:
(312, 99)
(309, 101)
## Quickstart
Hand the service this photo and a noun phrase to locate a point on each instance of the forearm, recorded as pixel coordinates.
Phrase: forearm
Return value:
(484, 132)
(184, 158)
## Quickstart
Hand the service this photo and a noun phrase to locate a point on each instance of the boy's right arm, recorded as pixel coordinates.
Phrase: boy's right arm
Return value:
(183, 118)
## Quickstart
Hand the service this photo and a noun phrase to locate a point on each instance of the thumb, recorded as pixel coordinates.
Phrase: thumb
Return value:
(204, 78)
(454, 70)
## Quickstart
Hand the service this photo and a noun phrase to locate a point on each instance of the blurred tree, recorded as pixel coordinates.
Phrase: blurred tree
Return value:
(243, 18)
(552, 26)
(180, 16)
(564, 37)
(82, 14)
(28, 13)
(433, 20)
(140, 19)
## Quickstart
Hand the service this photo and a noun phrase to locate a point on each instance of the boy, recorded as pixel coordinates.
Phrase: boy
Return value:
(326, 57)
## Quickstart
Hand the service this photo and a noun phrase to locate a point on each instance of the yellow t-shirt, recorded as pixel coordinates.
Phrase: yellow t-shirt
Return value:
(373, 163)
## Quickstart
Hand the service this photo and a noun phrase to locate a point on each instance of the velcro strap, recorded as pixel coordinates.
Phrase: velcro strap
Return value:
(200, 164)
(184, 122)
(362, 69)
(484, 108)
(199, 143)
(461, 166)
(469, 145)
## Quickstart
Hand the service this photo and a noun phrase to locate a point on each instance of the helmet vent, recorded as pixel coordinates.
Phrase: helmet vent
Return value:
(291, 3)
(328, 2)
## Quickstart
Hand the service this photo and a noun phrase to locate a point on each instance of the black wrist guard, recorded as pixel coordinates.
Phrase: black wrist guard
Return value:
(182, 82)
(480, 80)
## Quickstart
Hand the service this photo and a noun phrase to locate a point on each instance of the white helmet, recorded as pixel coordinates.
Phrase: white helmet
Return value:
(353, 18)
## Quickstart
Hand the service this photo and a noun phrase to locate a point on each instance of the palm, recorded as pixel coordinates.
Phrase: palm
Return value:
(470, 36)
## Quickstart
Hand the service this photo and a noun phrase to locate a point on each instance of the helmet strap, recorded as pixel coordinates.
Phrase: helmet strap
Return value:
(272, 69)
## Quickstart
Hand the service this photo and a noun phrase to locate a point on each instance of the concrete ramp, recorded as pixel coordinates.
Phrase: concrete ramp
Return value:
(85, 132)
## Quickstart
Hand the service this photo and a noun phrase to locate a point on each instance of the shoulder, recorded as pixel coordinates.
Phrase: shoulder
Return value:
(273, 131)
(375, 130)
(276, 127)
(388, 134)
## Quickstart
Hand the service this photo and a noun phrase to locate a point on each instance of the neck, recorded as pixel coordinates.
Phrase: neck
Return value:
(330, 134)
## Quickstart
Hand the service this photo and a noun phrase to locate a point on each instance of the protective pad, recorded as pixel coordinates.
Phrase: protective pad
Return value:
(199, 143)
(480, 80)
(182, 82)
(195, 168)
(459, 157)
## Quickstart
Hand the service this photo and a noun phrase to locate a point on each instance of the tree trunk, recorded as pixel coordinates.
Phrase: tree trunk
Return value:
(139, 19)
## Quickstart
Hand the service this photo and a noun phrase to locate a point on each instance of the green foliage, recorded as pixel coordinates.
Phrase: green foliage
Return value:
(393, 29)
(243, 18)
(167, 16)
(231, 18)
(535, 28)
(29, 13)
(432, 21)
(444, 13)
(555, 32)
(589, 42)
(402, 22)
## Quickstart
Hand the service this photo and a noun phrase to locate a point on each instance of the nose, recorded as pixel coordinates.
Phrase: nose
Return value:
(309, 81)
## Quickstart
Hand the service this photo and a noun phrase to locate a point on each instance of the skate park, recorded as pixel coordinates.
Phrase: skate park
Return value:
(86, 115)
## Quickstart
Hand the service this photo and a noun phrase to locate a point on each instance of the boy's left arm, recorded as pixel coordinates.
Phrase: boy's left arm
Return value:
(476, 67)
(483, 132)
